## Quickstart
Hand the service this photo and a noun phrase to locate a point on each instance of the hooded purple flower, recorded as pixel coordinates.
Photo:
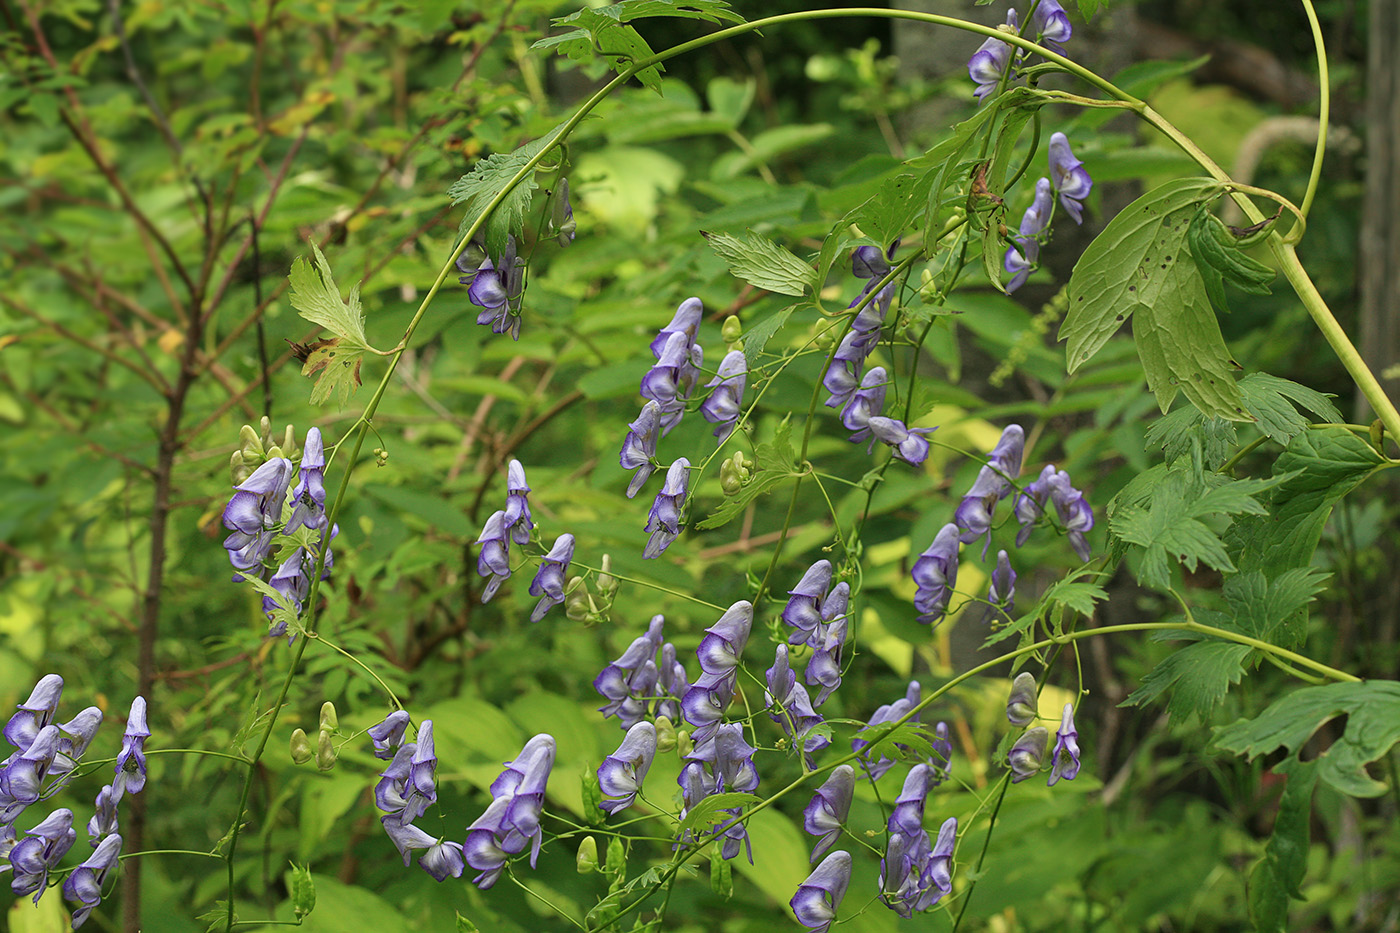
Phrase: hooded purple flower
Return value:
(865, 403)
(672, 684)
(994, 482)
(936, 573)
(562, 215)
(131, 761)
(829, 808)
(309, 497)
(41, 850)
(409, 785)
(621, 775)
(440, 858)
(1051, 24)
(85, 884)
(908, 814)
(791, 707)
(664, 521)
(1030, 504)
(104, 817)
(1027, 754)
(74, 737)
(1021, 258)
(1075, 514)
(704, 703)
(724, 641)
(989, 62)
(387, 736)
(493, 560)
(1021, 703)
(722, 763)
(1068, 175)
(843, 374)
(639, 447)
(22, 778)
(518, 519)
(909, 444)
(685, 321)
(253, 514)
(512, 822)
(818, 897)
(496, 288)
(670, 382)
(628, 683)
(915, 875)
(35, 713)
(549, 579)
(803, 609)
(722, 407)
(1064, 758)
(824, 666)
(891, 712)
(1002, 593)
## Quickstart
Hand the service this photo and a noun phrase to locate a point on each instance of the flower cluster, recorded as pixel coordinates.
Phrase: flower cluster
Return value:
(679, 358)
(790, 706)
(257, 514)
(721, 764)
(514, 523)
(630, 683)
(994, 482)
(1027, 754)
(1070, 180)
(512, 822)
(45, 757)
(705, 702)
(988, 64)
(817, 614)
(405, 791)
(935, 573)
(860, 395)
(1075, 514)
(915, 874)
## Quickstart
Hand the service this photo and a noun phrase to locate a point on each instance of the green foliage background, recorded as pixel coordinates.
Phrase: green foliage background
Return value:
(159, 180)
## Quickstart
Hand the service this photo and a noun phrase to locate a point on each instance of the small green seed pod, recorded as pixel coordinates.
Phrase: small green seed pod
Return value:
(587, 860)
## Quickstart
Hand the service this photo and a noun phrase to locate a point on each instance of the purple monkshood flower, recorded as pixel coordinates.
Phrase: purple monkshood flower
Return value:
(891, 712)
(793, 707)
(1070, 178)
(989, 62)
(131, 760)
(1073, 509)
(409, 785)
(1021, 257)
(41, 850)
(908, 814)
(824, 666)
(914, 875)
(818, 897)
(496, 288)
(843, 375)
(936, 573)
(549, 579)
(628, 683)
(1064, 758)
(512, 822)
(685, 321)
(639, 447)
(670, 382)
(664, 521)
(35, 713)
(909, 444)
(722, 407)
(942, 760)
(671, 683)
(74, 737)
(1002, 593)
(1051, 24)
(621, 774)
(104, 817)
(1030, 504)
(517, 518)
(309, 496)
(388, 735)
(724, 641)
(865, 403)
(440, 858)
(1021, 703)
(830, 806)
(722, 763)
(293, 580)
(85, 884)
(562, 215)
(994, 482)
(22, 778)
(493, 560)
(803, 609)
(254, 512)
(704, 703)
(1027, 754)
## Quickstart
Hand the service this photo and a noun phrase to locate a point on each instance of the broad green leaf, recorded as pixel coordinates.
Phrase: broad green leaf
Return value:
(779, 855)
(1372, 711)
(1273, 610)
(730, 100)
(761, 262)
(491, 177)
(711, 11)
(1078, 595)
(1136, 266)
(757, 336)
(619, 45)
(1197, 676)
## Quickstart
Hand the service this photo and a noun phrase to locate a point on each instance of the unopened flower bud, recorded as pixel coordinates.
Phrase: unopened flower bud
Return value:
(587, 860)
(329, 721)
(302, 752)
(1021, 704)
(826, 340)
(729, 482)
(665, 735)
(607, 583)
(250, 444)
(731, 330)
(302, 890)
(238, 470)
(325, 752)
(683, 743)
(617, 857)
(576, 601)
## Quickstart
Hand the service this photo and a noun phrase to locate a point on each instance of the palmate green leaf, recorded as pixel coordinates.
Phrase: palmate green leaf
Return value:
(317, 299)
(707, 812)
(1169, 523)
(1274, 403)
(763, 263)
(910, 741)
(1198, 677)
(1372, 711)
(487, 179)
(1137, 266)
(1185, 431)
(1271, 608)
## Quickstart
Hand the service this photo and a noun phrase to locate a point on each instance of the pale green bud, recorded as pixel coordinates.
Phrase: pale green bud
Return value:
(587, 860)
(302, 752)
(329, 721)
(325, 752)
